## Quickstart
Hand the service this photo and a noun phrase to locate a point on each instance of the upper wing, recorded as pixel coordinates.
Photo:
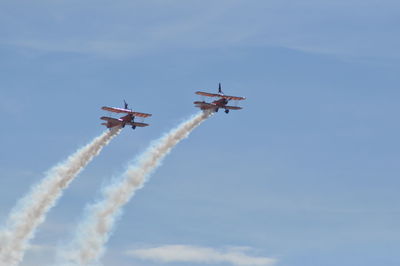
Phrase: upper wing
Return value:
(116, 110)
(236, 98)
(207, 94)
(140, 114)
(121, 110)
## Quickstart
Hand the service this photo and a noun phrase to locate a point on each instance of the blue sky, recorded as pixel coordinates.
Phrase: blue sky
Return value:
(306, 173)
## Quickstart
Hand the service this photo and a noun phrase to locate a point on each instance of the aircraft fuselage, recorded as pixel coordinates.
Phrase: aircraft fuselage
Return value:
(127, 118)
(221, 102)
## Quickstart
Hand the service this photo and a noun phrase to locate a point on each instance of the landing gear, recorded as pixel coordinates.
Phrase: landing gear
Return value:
(226, 110)
(216, 110)
(133, 127)
(123, 125)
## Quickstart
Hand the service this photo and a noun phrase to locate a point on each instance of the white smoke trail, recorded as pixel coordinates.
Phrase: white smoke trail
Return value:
(92, 234)
(31, 210)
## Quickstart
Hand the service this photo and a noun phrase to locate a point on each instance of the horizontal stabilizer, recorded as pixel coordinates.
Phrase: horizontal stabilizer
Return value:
(106, 118)
(204, 105)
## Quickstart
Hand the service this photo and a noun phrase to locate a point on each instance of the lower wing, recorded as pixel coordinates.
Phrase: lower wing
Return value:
(137, 124)
(206, 106)
(231, 107)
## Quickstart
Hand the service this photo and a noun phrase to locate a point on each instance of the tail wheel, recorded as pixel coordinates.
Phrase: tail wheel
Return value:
(133, 127)
(226, 110)
(216, 109)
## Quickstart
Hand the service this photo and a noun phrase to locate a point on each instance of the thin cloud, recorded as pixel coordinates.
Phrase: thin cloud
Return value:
(204, 255)
(330, 27)
(40, 248)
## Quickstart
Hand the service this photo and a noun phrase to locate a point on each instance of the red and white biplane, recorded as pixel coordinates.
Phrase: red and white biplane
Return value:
(128, 119)
(220, 103)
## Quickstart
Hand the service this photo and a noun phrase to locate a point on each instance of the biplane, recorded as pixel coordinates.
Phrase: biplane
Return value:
(128, 119)
(222, 102)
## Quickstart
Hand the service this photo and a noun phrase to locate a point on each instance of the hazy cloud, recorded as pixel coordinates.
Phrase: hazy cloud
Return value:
(193, 254)
(40, 248)
(355, 28)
